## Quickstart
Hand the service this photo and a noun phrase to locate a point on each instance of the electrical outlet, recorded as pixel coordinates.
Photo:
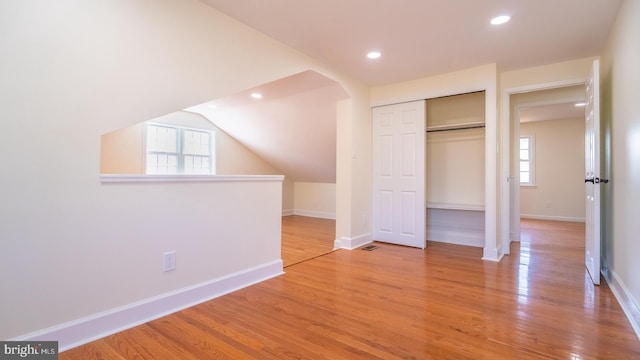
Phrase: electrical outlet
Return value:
(169, 261)
(548, 204)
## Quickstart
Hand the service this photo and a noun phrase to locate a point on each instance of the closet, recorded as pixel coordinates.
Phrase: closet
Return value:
(455, 169)
(428, 173)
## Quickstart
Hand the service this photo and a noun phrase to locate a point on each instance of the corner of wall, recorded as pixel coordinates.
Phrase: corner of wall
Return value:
(624, 297)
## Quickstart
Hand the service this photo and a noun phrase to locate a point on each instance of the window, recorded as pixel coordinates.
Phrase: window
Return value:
(178, 150)
(527, 177)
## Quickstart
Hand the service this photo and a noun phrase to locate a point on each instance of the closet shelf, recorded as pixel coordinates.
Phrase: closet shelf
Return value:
(469, 207)
(462, 126)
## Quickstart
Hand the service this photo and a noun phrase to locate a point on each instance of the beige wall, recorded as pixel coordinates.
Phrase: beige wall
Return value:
(559, 73)
(455, 167)
(559, 190)
(121, 151)
(455, 160)
(86, 69)
(315, 199)
(620, 80)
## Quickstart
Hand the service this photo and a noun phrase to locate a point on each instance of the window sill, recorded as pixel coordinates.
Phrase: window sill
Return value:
(118, 178)
(528, 185)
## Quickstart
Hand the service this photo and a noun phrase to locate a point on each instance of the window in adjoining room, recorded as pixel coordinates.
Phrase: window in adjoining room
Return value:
(527, 173)
(177, 150)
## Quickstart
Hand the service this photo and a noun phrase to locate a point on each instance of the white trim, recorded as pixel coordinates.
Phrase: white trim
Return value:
(508, 212)
(458, 236)
(554, 218)
(96, 326)
(492, 254)
(123, 178)
(624, 297)
(288, 212)
(352, 243)
(315, 214)
(467, 207)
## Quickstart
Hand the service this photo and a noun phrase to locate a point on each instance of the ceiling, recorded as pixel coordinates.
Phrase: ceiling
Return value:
(419, 38)
(551, 112)
(294, 126)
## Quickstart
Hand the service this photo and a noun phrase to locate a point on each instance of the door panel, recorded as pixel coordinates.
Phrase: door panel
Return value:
(592, 173)
(399, 174)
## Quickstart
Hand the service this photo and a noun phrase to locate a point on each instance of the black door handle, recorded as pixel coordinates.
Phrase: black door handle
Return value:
(596, 180)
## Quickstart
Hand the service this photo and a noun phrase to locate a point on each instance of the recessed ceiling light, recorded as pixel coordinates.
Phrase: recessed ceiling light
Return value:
(374, 54)
(256, 96)
(580, 104)
(500, 19)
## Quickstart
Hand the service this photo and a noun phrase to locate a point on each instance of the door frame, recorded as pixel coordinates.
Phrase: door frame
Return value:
(509, 178)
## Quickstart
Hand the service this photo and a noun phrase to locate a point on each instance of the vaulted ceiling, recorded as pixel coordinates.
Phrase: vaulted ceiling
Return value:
(293, 126)
(419, 38)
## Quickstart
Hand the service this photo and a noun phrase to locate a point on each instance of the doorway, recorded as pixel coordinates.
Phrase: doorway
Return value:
(546, 173)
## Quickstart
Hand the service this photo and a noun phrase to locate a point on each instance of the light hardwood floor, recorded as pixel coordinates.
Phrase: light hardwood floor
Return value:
(403, 303)
(304, 238)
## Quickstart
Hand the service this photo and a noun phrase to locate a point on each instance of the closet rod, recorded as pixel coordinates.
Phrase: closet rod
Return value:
(458, 128)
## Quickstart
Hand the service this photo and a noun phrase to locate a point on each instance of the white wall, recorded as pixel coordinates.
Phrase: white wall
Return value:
(559, 190)
(455, 167)
(73, 70)
(621, 139)
(315, 200)
(455, 161)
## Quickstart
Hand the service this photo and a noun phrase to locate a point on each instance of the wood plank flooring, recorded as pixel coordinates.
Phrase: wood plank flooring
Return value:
(304, 238)
(402, 303)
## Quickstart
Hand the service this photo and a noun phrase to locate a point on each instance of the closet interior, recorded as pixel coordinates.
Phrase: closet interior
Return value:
(455, 169)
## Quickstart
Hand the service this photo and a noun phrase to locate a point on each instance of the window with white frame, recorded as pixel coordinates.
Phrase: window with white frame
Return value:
(178, 150)
(527, 174)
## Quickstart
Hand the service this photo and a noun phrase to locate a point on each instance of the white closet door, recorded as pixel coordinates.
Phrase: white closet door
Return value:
(399, 174)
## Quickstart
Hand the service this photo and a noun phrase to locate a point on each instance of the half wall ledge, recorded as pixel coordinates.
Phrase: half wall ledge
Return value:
(119, 178)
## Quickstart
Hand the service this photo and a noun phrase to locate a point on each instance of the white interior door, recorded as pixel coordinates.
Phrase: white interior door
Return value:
(592, 170)
(398, 189)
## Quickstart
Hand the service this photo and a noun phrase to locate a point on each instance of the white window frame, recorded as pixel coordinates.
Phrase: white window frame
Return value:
(180, 148)
(531, 161)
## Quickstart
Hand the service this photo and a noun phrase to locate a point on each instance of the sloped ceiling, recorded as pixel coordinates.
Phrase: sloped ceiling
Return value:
(419, 38)
(293, 125)
(294, 128)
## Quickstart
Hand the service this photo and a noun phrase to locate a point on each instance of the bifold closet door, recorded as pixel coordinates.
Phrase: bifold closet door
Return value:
(398, 189)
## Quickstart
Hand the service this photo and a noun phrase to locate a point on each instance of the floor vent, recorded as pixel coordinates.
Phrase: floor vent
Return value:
(369, 247)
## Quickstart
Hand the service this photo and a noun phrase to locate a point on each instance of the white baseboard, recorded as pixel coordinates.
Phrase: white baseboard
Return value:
(624, 297)
(554, 218)
(492, 254)
(287, 212)
(461, 236)
(352, 243)
(94, 327)
(315, 214)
